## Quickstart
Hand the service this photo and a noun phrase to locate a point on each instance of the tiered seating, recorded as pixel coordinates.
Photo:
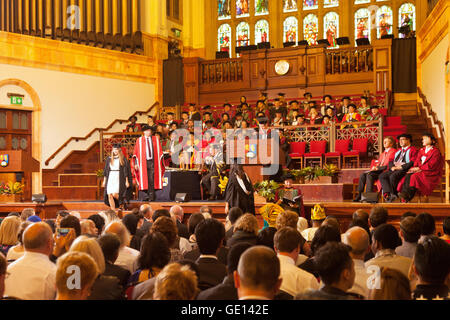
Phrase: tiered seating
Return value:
(393, 127)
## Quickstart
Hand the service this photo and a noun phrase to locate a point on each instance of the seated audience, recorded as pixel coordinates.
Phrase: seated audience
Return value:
(351, 116)
(378, 215)
(32, 277)
(9, 228)
(287, 246)
(367, 179)
(210, 234)
(393, 285)
(99, 223)
(427, 225)
(176, 282)
(154, 256)
(245, 230)
(104, 287)
(18, 250)
(357, 239)
(177, 213)
(167, 227)
(385, 239)
(110, 245)
(337, 272)
(133, 222)
(233, 215)
(127, 258)
(88, 228)
(374, 114)
(446, 229)
(426, 173)
(258, 274)
(88, 274)
(410, 234)
(432, 267)
(193, 221)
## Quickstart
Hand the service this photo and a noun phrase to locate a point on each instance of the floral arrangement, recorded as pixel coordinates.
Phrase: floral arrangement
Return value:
(267, 189)
(100, 173)
(311, 174)
(11, 188)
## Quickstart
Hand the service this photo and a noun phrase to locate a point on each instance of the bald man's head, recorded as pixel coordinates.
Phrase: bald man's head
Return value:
(37, 237)
(146, 210)
(177, 212)
(119, 229)
(358, 239)
(259, 269)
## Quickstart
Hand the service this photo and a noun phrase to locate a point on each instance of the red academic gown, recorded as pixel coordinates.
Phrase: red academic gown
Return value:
(140, 156)
(431, 174)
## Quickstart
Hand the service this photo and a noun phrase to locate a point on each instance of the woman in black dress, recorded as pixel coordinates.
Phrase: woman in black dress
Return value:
(239, 191)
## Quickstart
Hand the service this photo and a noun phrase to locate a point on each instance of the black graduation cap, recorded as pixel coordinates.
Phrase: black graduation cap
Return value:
(288, 176)
(185, 112)
(313, 102)
(277, 99)
(313, 107)
(207, 113)
(227, 122)
(146, 127)
(206, 107)
(430, 135)
(209, 121)
(150, 117)
(365, 98)
(170, 113)
(307, 94)
(348, 98)
(300, 116)
(131, 118)
(374, 107)
(293, 101)
(296, 109)
(117, 146)
(329, 108)
(227, 104)
(326, 116)
(281, 94)
(238, 114)
(192, 104)
(260, 101)
(244, 104)
(264, 94)
(351, 105)
(405, 135)
(327, 95)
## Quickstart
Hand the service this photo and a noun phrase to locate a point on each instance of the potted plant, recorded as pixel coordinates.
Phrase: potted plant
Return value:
(328, 174)
(299, 175)
(267, 189)
(309, 174)
(11, 192)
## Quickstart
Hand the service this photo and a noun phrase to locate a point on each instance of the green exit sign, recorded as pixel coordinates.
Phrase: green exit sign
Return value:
(17, 101)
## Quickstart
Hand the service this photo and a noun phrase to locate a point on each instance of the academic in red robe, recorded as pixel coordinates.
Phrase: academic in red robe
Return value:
(431, 171)
(140, 158)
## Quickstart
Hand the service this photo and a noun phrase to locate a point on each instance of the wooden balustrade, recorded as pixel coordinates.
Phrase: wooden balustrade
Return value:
(349, 60)
(220, 71)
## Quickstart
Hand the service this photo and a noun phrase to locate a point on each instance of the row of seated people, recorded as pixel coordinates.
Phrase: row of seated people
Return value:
(401, 173)
(148, 255)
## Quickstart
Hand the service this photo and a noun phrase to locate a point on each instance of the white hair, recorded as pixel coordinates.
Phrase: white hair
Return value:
(302, 224)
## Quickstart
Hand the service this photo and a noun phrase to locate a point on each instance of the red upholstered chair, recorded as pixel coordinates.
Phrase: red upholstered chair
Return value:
(298, 151)
(359, 149)
(341, 147)
(316, 150)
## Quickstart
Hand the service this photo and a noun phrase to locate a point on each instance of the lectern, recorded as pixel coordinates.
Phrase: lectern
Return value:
(17, 166)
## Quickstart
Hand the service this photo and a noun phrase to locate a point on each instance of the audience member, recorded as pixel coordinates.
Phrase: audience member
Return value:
(333, 222)
(9, 228)
(88, 272)
(133, 222)
(245, 230)
(410, 234)
(109, 216)
(287, 218)
(361, 214)
(147, 212)
(18, 250)
(34, 219)
(258, 274)
(26, 213)
(302, 224)
(427, 225)
(160, 213)
(357, 239)
(385, 239)
(432, 267)
(110, 245)
(287, 243)
(176, 282)
(99, 222)
(60, 215)
(378, 216)
(233, 215)
(265, 237)
(317, 217)
(167, 227)
(104, 287)
(206, 211)
(393, 285)
(127, 258)
(32, 277)
(408, 214)
(71, 222)
(193, 221)
(177, 213)
(88, 228)
(210, 234)
(446, 229)
(337, 272)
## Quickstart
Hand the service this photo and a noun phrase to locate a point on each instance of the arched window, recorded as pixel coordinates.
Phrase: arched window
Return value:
(310, 4)
(242, 8)
(311, 28)
(362, 24)
(407, 18)
(331, 27)
(289, 5)
(224, 38)
(223, 9)
(261, 7)
(290, 30)
(361, 1)
(330, 3)
(261, 31)
(385, 20)
(242, 34)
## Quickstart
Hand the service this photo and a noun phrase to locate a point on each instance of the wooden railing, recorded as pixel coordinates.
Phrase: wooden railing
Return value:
(349, 60)
(220, 71)
(96, 130)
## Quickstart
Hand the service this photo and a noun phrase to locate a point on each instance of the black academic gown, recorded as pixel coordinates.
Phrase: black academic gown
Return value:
(125, 193)
(236, 197)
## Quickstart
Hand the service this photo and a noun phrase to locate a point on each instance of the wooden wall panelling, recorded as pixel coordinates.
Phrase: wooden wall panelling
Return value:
(191, 79)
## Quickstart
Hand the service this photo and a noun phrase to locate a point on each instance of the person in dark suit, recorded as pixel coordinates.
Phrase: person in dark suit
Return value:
(110, 244)
(147, 211)
(177, 213)
(233, 215)
(210, 234)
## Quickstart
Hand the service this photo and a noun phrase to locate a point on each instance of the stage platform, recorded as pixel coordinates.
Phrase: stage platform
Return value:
(341, 210)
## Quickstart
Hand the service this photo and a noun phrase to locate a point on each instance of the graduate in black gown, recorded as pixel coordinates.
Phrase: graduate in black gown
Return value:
(239, 191)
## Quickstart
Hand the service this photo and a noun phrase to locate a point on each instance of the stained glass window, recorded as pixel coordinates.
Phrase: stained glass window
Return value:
(289, 5)
(362, 24)
(407, 18)
(384, 21)
(261, 7)
(310, 4)
(330, 3)
(224, 37)
(224, 9)
(261, 31)
(311, 28)
(242, 34)
(242, 8)
(331, 27)
(290, 30)
(361, 1)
